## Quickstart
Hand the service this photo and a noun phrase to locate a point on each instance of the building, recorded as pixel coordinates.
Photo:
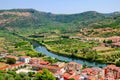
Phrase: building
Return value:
(11, 56)
(95, 71)
(68, 75)
(112, 72)
(35, 61)
(59, 64)
(24, 59)
(100, 72)
(52, 69)
(116, 45)
(114, 39)
(73, 66)
(92, 78)
(3, 55)
(4, 68)
(71, 75)
(44, 63)
(16, 65)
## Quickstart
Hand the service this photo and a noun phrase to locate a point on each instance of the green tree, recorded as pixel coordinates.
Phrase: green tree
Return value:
(30, 74)
(46, 75)
(71, 79)
(2, 77)
(109, 41)
(18, 77)
(118, 63)
(11, 78)
(11, 60)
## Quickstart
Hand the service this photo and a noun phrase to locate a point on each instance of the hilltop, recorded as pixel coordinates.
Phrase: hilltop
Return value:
(33, 21)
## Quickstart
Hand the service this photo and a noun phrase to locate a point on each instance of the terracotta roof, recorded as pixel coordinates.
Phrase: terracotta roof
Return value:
(116, 44)
(44, 63)
(11, 56)
(52, 67)
(67, 76)
(100, 79)
(40, 71)
(89, 71)
(17, 64)
(24, 56)
(114, 38)
(91, 78)
(113, 67)
(35, 61)
(76, 77)
(4, 67)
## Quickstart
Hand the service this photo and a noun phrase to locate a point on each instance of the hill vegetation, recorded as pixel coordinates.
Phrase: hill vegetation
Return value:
(28, 21)
(60, 32)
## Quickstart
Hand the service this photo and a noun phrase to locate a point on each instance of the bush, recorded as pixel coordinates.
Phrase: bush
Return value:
(118, 63)
(11, 60)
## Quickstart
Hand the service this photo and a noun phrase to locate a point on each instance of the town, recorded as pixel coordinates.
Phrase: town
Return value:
(60, 40)
(60, 70)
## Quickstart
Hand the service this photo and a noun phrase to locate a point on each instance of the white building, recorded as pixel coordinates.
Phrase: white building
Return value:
(25, 59)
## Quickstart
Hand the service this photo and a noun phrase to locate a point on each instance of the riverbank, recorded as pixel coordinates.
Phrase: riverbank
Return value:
(68, 55)
(40, 48)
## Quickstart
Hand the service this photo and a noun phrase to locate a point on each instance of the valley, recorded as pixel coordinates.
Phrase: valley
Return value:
(90, 39)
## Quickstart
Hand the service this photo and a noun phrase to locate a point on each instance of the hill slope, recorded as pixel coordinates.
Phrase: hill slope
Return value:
(30, 20)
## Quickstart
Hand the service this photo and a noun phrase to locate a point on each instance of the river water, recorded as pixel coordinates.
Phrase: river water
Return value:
(44, 50)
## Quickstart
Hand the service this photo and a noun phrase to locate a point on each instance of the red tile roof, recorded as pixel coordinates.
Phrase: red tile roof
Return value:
(76, 77)
(100, 79)
(44, 63)
(4, 67)
(71, 74)
(18, 64)
(40, 71)
(89, 71)
(35, 61)
(91, 78)
(11, 56)
(67, 76)
(24, 56)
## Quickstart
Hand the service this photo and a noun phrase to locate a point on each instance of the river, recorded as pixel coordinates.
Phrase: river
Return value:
(44, 50)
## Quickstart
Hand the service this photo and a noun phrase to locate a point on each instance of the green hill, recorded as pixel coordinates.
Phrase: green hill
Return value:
(31, 21)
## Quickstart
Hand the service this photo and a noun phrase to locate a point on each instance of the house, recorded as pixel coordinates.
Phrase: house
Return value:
(92, 78)
(3, 55)
(44, 63)
(95, 71)
(24, 59)
(114, 39)
(53, 69)
(4, 68)
(116, 45)
(112, 72)
(40, 65)
(68, 75)
(16, 65)
(11, 56)
(71, 75)
(35, 61)
(59, 64)
(73, 66)
(100, 72)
